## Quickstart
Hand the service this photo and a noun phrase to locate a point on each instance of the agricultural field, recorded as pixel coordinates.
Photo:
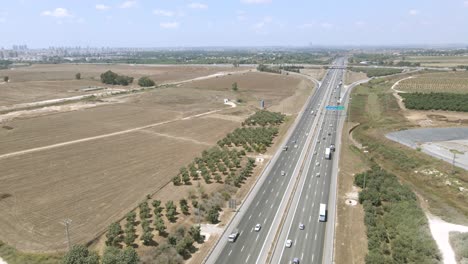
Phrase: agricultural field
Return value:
(447, 82)
(352, 76)
(95, 165)
(50, 81)
(438, 61)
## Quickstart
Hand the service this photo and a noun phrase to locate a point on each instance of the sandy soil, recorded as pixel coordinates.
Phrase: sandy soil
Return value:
(314, 73)
(96, 181)
(440, 231)
(45, 81)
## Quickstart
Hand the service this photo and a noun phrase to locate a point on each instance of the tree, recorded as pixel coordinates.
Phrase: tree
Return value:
(147, 237)
(157, 207)
(6, 79)
(144, 210)
(80, 254)
(186, 178)
(184, 206)
(217, 177)
(159, 225)
(129, 237)
(110, 77)
(78, 76)
(114, 234)
(129, 256)
(213, 214)
(234, 87)
(194, 231)
(164, 253)
(146, 82)
(176, 180)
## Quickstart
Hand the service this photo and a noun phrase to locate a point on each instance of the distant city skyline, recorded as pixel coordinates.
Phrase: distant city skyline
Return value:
(232, 23)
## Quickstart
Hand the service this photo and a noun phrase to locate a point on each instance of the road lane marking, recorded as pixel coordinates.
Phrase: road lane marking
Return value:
(303, 209)
(264, 221)
(242, 249)
(247, 260)
(250, 217)
(302, 255)
(264, 191)
(316, 236)
(310, 218)
(307, 197)
(307, 234)
(230, 253)
(271, 206)
(277, 193)
(313, 257)
(322, 193)
(260, 214)
(266, 201)
(257, 203)
(257, 237)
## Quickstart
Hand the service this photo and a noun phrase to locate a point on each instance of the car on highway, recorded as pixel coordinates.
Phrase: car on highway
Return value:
(332, 147)
(317, 174)
(331, 125)
(301, 226)
(288, 243)
(329, 133)
(317, 164)
(258, 227)
(295, 261)
(283, 173)
(324, 138)
(233, 236)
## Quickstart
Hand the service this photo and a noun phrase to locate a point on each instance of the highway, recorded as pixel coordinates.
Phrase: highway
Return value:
(308, 243)
(268, 201)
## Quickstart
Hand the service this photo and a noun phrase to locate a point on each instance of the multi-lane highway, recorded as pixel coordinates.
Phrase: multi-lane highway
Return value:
(270, 199)
(308, 241)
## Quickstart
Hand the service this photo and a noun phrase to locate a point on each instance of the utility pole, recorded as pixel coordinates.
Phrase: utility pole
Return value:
(67, 223)
(455, 152)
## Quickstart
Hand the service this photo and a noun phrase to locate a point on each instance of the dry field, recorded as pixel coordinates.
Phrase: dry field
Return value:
(352, 76)
(130, 149)
(256, 86)
(439, 61)
(449, 82)
(50, 81)
(314, 73)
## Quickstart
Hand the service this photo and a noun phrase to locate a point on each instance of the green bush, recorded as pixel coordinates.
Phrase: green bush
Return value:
(436, 101)
(146, 82)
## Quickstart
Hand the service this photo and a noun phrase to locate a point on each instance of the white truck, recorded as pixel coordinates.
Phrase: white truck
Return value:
(327, 153)
(323, 213)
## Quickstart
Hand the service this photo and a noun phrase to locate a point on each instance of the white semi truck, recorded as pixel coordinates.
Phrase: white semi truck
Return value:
(327, 153)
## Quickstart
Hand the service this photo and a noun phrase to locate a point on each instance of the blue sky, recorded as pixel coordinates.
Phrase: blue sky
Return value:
(163, 23)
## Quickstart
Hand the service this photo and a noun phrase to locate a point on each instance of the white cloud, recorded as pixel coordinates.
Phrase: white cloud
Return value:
(360, 23)
(198, 6)
(102, 7)
(128, 4)
(57, 12)
(160, 12)
(256, 1)
(465, 3)
(169, 25)
(414, 12)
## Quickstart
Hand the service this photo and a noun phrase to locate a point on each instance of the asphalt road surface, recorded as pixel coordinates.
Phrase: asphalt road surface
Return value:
(305, 144)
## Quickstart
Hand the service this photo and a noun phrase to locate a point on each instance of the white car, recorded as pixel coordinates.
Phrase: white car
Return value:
(301, 226)
(317, 164)
(258, 227)
(288, 243)
(283, 173)
(317, 174)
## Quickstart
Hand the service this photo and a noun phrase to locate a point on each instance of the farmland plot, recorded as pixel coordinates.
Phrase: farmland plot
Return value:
(449, 82)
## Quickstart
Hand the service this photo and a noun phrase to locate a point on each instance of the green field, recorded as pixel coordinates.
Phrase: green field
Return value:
(439, 61)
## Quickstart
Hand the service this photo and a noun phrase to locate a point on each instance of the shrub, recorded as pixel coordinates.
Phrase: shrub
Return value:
(146, 82)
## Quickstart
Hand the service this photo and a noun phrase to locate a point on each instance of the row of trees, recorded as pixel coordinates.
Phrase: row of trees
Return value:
(397, 229)
(264, 68)
(292, 68)
(264, 118)
(250, 138)
(80, 254)
(436, 101)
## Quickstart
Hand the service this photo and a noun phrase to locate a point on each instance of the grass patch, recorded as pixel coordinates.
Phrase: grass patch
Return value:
(397, 229)
(13, 256)
(376, 72)
(459, 242)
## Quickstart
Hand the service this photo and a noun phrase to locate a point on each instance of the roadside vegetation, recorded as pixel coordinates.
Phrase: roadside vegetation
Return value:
(376, 72)
(13, 256)
(376, 110)
(383, 59)
(265, 68)
(397, 228)
(436, 101)
(459, 242)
